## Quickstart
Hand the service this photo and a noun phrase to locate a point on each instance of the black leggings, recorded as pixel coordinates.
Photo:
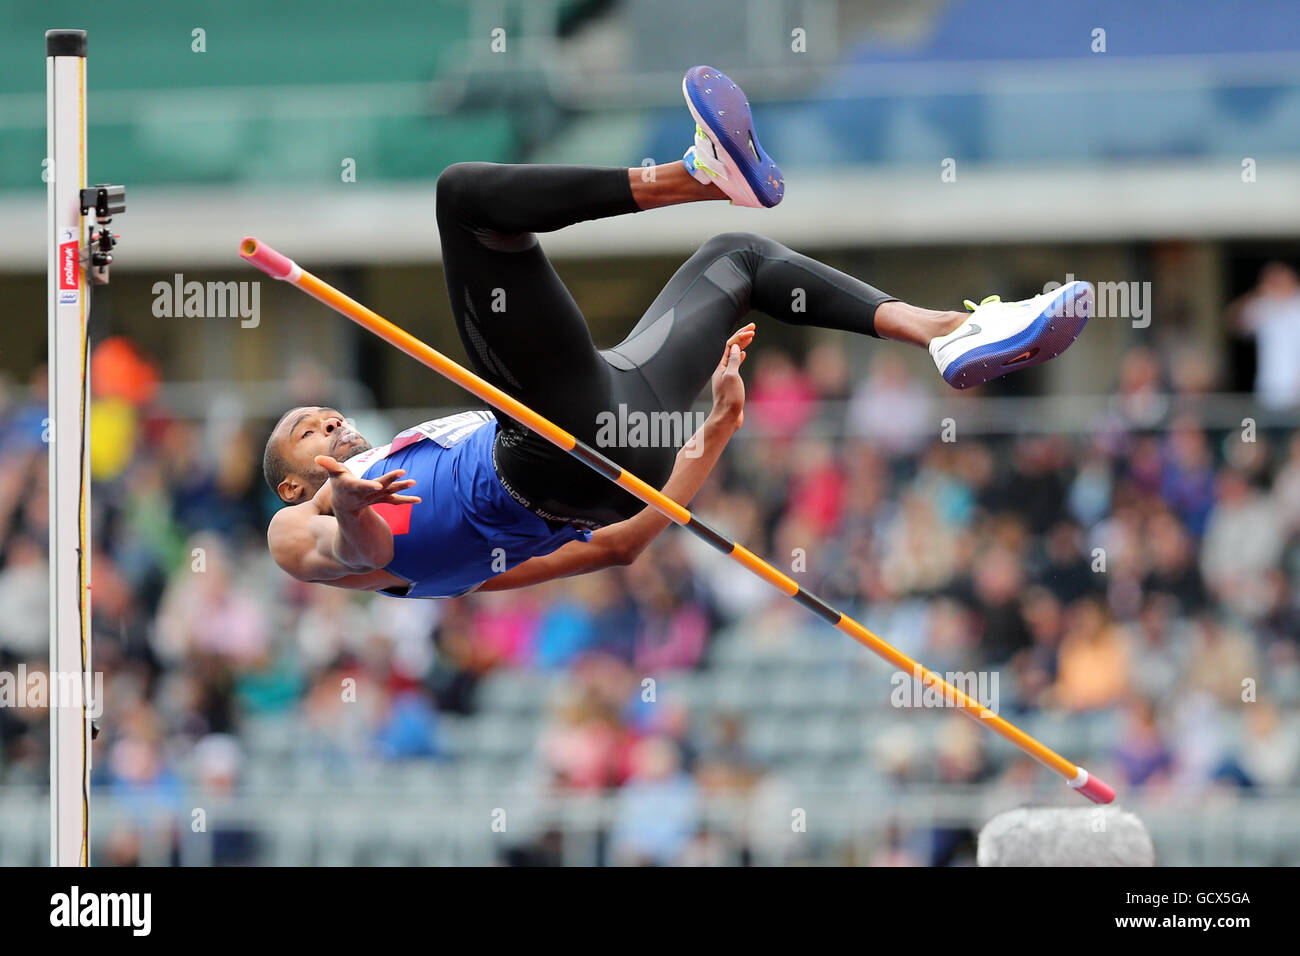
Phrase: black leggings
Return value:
(526, 335)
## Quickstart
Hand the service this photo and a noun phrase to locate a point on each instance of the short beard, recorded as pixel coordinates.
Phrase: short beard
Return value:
(357, 449)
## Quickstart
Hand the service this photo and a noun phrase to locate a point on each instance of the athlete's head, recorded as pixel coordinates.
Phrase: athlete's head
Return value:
(289, 462)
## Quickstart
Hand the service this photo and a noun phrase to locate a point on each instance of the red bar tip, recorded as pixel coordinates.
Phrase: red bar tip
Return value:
(1094, 788)
(267, 259)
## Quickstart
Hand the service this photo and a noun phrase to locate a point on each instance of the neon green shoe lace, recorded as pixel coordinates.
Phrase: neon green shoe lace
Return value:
(700, 134)
(971, 306)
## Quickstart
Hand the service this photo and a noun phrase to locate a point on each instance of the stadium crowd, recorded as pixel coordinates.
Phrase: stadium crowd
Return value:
(1147, 568)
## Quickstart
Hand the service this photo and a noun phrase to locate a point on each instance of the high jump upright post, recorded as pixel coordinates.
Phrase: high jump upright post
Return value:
(66, 429)
(78, 260)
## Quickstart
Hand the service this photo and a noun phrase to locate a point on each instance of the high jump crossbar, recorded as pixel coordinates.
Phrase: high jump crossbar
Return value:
(279, 266)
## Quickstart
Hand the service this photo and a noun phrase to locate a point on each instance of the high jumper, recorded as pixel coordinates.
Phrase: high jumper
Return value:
(481, 502)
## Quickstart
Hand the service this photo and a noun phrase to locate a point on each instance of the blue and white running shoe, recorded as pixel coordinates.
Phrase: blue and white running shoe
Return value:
(726, 151)
(1000, 337)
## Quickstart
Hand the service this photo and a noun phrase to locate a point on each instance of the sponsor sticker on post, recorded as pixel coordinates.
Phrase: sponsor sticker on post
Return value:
(69, 267)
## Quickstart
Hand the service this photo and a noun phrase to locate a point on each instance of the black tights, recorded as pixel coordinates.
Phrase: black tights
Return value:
(525, 334)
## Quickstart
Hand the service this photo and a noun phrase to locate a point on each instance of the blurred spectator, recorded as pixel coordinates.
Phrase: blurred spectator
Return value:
(1269, 755)
(781, 397)
(1200, 743)
(1271, 313)
(894, 852)
(1172, 567)
(672, 629)
(998, 580)
(1286, 489)
(409, 728)
(1187, 478)
(1159, 656)
(921, 547)
(1067, 572)
(1243, 539)
(123, 381)
(889, 408)
(332, 623)
(585, 749)
(1090, 492)
(1036, 489)
(829, 372)
(205, 612)
(1094, 662)
(138, 772)
(816, 488)
(726, 765)
(1037, 666)
(1279, 625)
(657, 811)
(1142, 400)
(1220, 659)
(218, 762)
(1143, 756)
(25, 597)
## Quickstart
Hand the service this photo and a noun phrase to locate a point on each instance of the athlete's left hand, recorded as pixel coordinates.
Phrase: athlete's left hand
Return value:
(728, 386)
(351, 493)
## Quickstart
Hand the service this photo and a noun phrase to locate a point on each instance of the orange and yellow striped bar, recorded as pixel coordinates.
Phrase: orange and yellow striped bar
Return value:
(279, 266)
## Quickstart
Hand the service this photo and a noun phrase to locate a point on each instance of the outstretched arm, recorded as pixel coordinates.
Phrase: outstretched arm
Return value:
(621, 543)
(337, 534)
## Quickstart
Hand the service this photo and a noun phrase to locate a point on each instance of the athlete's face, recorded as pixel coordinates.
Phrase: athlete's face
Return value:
(307, 432)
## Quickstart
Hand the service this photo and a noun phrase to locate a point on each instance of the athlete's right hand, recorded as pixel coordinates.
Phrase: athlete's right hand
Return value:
(728, 386)
(350, 493)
